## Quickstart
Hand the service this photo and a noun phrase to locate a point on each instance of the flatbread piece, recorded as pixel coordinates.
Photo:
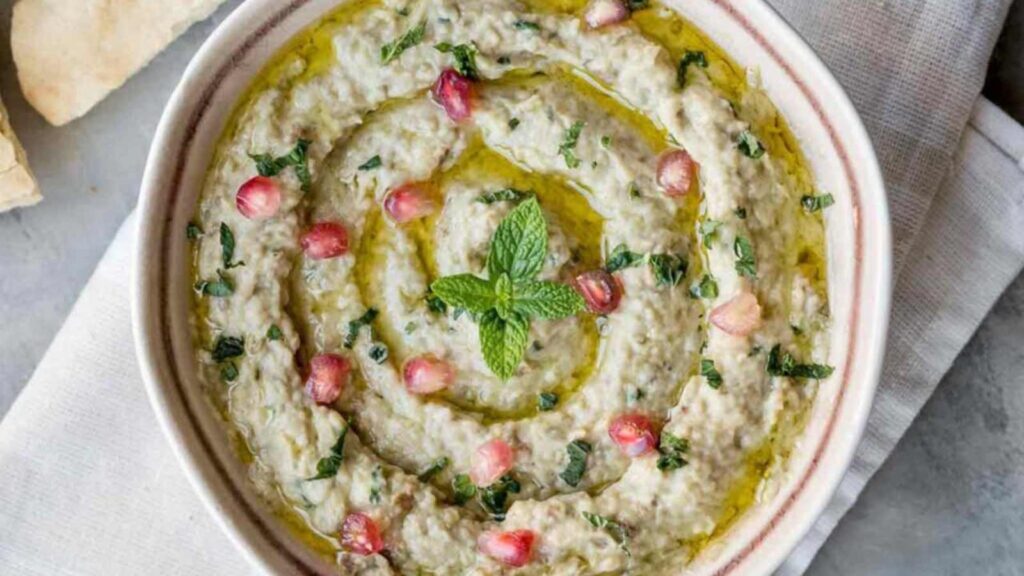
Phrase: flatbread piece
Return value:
(17, 185)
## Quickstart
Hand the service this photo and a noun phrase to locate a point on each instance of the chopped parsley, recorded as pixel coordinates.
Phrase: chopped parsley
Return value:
(328, 466)
(635, 5)
(503, 195)
(621, 258)
(371, 164)
(749, 145)
(504, 61)
(526, 25)
(740, 213)
(412, 37)
(578, 451)
(229, 372)
(434, 469)
(634, 190)
(606, 142)
(274, 332)
(568, 146)
(816, 203)
(746, 263)
(219, 288)
(710, 373)
(465, 58)
(546, 401)
(378, 352)
(463, 489)
(227, 247)
(709, 231)
(193, 231)
(706, 288)
(617, 531)
(353, 327)
(298, 159)
(494, 498)
(377, 485)
(783, 364)
(672, 450)
(690, 57)
(227, 347)
(435, 304)
(669, 269)
(513, 123)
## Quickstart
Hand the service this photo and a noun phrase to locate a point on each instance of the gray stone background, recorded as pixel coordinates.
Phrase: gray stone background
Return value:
(950, 500)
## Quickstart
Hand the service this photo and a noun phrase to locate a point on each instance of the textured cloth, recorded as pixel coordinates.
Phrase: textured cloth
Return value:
(88, 484)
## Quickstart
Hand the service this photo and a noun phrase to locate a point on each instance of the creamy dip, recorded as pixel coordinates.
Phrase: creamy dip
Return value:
(615, 422)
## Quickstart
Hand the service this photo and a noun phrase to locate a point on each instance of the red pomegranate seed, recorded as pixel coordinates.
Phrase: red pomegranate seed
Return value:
(634, 434)
(408, 202)
(328, 374)
(513, 548)
(739, 316)
(259, 198)
(454, 92)
(600, 13)
(601, 291)
(675, 172)
(491, 461)
(426, 375)
(361, 535)
(325, 240)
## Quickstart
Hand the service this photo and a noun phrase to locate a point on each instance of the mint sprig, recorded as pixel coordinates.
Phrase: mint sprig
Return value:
(506, 301)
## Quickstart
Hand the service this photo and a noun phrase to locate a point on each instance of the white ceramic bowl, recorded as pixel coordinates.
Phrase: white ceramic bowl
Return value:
(821, 116)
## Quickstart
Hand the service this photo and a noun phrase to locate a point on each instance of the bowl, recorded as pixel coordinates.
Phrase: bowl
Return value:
(819, 113)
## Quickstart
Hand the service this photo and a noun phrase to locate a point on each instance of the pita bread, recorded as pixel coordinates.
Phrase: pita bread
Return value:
(71, 53)
(17, 186)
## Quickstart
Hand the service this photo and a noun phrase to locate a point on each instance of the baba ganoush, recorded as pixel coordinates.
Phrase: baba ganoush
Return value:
(484, 286)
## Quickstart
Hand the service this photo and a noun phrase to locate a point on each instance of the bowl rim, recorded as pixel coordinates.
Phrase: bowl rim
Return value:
(226, 46)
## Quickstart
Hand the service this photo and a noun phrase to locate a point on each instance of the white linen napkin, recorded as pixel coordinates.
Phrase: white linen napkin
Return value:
(89, 486)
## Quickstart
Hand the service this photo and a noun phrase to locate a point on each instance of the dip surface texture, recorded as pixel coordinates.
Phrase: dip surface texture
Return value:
(400, 142)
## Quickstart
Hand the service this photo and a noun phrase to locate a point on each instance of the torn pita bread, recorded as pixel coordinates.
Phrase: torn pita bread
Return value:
(17, 186)
(71, 53)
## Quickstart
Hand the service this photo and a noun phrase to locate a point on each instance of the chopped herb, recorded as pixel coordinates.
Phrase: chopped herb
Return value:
(568, 146)
(227, 347)
(274, 332)
(504, 61)
(669, 269)
(746, 263)
(547, 401)
(378, 352)
(219, 288)
(740, 213)
(634, 190)
(193, 231)
(228, 371)
(377, 484)
(513, 123)
(268, 165)
(227, 247)
(634, 395)
(526, 25)
(465, 58)
(402, 11)
(435, 468)
(494, 498)
(392, 50)
(410, 327)
(672, 449)
(690, 57)
(783, 364)
(371, 164)
(709, 372)
(617, 531)
(635, 5)
(436, 305)
(707, 288)
(749, 145)
(621, 258)
(796, 329)
(503, 195)
(463, 488)
(353, 327)
(606, 142)
(328, 466)
(578, 451)
(709, 231)
(815, 203)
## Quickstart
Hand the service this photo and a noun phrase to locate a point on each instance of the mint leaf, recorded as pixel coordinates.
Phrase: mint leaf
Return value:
(219, 288)
(328, 466)
(568, 146)
(526, 25)
(669, 269)
(503, 195)
(706, 288)
(268, 165)
(690, 57)
(710, 373)
(494, 498)
(519, 244)
(618, 532)
(814, 204)
(622, 258)
(746, 262)
(503, 296)
(783, 364)
(463, 488)
(227, 247)
(435, 468)
(465, 291)
(227, 347)
(274, 333)
(672, 449)
(392, 50)
(749, 145)
(548, 300)
(371, 164)
(709, 231)
(465, 58)
(228, 371)
(503, 342)
(546, 401)
(578, 451)
(353, 327)
(193, 231)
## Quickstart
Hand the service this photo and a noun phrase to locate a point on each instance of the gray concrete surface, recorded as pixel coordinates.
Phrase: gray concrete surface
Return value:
(950, 500)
